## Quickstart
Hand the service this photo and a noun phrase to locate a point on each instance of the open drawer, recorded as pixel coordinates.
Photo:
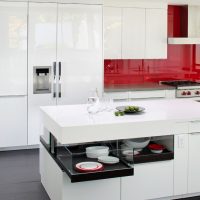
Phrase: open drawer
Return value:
(68, 156)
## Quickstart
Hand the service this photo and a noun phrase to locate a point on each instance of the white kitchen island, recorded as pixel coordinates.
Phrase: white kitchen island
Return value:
(163, 177)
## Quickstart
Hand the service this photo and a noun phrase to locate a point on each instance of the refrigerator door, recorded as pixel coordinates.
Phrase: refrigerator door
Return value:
(13, 48)
(79, 51)
(41, 64)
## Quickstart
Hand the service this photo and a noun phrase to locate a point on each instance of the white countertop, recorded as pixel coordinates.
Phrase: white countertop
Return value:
(72, 121)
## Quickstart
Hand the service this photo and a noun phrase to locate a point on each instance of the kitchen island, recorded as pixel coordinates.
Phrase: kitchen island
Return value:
(174, 123)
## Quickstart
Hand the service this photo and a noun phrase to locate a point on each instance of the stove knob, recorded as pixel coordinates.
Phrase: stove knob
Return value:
(183, 93)
(188, 93)
(197, 92)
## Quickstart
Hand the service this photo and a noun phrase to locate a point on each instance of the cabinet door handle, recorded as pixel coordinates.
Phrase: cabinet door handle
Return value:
(59, 84)
(54, 79)
(195, 133)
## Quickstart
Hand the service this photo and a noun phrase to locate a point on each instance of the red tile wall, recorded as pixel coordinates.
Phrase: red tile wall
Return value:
(183, 61)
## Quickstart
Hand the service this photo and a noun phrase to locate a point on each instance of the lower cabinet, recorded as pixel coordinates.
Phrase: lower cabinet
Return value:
(194, 163)
(150, 180)
(13, 115)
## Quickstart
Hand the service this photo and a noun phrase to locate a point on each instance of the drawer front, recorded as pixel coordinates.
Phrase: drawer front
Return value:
(194, 126)
(147, 94)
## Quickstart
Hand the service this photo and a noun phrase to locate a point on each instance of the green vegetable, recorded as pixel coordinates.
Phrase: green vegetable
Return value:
(131, 109)
(119, 113)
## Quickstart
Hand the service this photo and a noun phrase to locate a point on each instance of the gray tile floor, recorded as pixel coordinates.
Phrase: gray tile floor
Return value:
(19, 176)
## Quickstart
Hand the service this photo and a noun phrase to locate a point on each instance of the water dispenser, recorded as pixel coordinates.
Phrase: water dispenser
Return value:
(41, 79)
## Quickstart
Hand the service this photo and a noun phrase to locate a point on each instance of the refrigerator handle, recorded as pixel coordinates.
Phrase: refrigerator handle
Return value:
(54, 79)
(59, 83)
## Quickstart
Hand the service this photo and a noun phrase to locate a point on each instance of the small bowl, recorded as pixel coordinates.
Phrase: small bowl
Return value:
(156, 147)
(156, 151)
(138, 143)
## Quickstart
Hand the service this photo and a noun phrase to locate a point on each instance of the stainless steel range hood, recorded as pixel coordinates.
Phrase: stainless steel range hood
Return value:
(193, 28)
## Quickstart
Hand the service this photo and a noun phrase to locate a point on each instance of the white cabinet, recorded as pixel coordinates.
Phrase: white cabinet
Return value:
(156, 34)
(41, 52)
(13, 48)
(180, 164)
(112, 32)
(13, 120)
(150, 181)
(194, 159)
(79, 51)
(133, 33)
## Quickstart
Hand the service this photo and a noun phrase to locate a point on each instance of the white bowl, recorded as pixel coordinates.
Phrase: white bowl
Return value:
(97, 151)
(138, 143)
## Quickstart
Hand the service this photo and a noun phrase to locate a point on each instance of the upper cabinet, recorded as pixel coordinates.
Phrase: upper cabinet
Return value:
(112, 32)
(135, 33)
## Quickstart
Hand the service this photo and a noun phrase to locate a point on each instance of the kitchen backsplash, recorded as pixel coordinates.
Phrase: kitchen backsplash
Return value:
(183, 63)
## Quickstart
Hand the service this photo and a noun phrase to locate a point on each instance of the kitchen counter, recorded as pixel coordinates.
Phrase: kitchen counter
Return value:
(72, 123)
(137, 87)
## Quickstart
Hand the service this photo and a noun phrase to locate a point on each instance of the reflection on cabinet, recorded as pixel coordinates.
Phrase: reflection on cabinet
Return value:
(180, 164)
(13, 115)
(13, 48)
(112, 32)
(79, 50)
(135, 33)
(194, 163)
(150, 180)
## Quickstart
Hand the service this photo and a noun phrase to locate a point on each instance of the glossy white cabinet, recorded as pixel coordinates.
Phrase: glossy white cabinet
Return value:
(79, 51)
(150, 181)
(13, 120)
(133, 33)
(41, 52)
(156, 34)
(112, 32)
(13, 48)
(194, 160)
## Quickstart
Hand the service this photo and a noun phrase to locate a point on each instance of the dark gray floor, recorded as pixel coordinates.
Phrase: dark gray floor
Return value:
(19, 176)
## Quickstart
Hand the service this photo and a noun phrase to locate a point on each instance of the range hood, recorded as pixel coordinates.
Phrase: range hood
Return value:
(189, 25)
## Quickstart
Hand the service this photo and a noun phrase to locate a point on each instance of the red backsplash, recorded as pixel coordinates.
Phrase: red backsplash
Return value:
(183, 61)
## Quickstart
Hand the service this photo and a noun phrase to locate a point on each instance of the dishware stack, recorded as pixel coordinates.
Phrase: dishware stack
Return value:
(97, 151)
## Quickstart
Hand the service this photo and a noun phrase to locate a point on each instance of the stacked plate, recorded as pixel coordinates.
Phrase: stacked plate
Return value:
(97, 151)
(89, 166)
(108, 159)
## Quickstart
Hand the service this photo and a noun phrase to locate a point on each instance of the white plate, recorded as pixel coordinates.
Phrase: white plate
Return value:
(89, 166)
(108, 159)
(156, 151)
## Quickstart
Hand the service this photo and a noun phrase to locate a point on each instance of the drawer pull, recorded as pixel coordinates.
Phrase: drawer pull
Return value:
(196, 121)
